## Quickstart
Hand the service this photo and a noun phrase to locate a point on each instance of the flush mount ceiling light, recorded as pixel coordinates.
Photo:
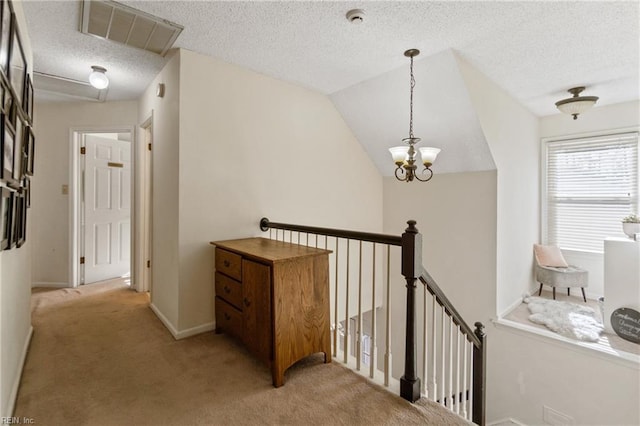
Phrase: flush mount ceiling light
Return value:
(577, 104)
(404, 157)
(98, 78)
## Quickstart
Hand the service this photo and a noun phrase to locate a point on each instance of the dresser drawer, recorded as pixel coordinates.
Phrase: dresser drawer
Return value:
(229, 263)
(228, 289)
(228, 319)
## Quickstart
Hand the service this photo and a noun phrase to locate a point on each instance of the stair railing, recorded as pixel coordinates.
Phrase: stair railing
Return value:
(453, 355)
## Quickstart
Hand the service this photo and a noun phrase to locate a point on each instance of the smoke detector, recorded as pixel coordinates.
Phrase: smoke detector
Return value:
(355, 16)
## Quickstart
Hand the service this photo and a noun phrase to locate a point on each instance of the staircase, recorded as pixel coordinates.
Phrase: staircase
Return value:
(444, 359)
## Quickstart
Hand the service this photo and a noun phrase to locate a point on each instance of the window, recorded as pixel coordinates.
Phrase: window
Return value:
(589, 185)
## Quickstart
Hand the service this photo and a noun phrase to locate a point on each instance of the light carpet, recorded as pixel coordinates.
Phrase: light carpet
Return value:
(99, 356)
(565, 318)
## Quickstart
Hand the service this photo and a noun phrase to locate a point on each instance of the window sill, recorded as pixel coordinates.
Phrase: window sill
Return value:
(599, 349)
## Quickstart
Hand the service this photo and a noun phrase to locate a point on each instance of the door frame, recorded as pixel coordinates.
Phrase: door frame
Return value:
(75, 175)
(144, 217)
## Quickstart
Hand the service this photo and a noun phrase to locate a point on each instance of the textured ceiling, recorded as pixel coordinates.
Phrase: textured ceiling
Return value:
(535, 51)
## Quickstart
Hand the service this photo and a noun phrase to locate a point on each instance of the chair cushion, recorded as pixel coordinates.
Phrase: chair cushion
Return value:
(549, 256)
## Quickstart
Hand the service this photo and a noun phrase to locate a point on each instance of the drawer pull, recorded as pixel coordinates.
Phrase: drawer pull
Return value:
(227, 289)
(247, 302)
(226, 263)
(227, 316)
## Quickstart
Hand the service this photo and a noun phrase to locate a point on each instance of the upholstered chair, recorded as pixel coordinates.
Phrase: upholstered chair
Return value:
(552, 269)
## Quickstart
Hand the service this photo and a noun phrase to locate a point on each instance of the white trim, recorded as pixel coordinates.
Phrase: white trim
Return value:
(16, 381)
(624, 359)
(49, 284)
(195, 330)
(518, 302)
(184, 333)
(164, 320)
(508, 420)
(74, 176)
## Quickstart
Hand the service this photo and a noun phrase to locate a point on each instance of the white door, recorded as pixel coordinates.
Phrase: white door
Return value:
(107, 209)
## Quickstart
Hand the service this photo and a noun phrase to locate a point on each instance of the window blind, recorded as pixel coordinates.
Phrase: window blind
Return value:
(591, 184)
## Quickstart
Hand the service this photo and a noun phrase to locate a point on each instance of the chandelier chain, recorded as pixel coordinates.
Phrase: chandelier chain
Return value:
(413, 84)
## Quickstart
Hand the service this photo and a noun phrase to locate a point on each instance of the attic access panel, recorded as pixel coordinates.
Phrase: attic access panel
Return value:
(123, 24)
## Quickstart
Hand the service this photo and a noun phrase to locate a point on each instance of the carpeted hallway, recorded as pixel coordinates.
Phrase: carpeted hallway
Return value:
(99, 356)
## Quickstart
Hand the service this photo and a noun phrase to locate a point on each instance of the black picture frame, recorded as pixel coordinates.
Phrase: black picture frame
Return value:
(5, 36)
(26, 185)
(20, 219)
(29, 100)
(6, 210)
(17, 65)
(29, 151)
(7, 135)
(18, 154)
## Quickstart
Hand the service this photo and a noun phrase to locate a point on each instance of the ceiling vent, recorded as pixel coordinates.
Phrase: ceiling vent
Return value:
(123, 24)
(48, 87)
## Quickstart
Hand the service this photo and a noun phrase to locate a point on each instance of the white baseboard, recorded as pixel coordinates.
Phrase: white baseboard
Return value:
(183, 333)
(507, 421)
(195, 330)
(49, 284)
(16, 381)
(516, 303)
(164, 320)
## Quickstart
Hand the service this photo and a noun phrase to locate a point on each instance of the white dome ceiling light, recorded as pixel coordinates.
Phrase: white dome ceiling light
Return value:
(98, 78)
(577, 104)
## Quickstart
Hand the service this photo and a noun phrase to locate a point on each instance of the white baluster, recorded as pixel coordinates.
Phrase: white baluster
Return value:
(470, 402)
(464, 379)
(359, 325)
(387, 354)
(450, 392)
(457, 397)
(442, 359)
(346, 310)
(335, 303)
(425, 387)
(434, 383)
(373, 351)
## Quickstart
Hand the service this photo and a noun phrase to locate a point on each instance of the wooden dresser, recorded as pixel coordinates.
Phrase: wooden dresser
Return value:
(274, 297)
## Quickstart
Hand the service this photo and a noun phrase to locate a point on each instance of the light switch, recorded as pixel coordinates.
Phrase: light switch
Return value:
(65, 189)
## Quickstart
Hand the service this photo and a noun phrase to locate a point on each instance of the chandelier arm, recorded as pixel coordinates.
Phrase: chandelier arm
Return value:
(417, 176)
(403, 174)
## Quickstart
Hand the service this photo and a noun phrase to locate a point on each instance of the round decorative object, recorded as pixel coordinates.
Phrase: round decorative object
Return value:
(630, 228)
(626, 323)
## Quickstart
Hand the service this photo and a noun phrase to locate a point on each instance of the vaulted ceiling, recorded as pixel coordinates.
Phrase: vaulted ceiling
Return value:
(535, 51)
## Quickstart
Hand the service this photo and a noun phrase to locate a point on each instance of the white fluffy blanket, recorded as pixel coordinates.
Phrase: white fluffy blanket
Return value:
(565, 318)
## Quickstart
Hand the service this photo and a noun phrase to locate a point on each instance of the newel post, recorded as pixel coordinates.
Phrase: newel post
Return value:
(479, 375)
(411, 269)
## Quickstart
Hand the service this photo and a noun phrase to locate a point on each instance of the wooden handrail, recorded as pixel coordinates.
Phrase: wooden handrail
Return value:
(393, 240)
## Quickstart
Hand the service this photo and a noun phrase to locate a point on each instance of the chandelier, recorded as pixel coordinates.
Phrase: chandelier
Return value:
(405, 157)
(577, 104)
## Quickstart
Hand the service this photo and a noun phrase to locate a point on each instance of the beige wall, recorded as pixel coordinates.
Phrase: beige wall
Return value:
(165, 182)
(512, 134)
(456, 215)
(248, 146)
(50, 207)
(15, 285)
